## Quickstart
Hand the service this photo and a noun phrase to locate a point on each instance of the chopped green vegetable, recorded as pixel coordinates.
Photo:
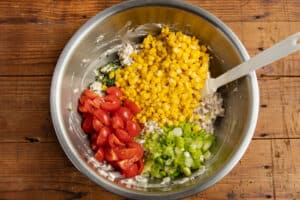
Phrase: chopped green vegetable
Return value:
(108, 81)
(104, 71)
(176, 152)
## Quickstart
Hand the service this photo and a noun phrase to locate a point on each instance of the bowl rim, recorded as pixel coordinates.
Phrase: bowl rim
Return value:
(61, 132)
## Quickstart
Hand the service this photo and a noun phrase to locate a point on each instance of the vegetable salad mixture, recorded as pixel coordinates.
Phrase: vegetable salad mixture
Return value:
(144, 114)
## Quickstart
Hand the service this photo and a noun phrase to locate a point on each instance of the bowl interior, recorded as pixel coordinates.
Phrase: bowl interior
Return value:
(96, 43)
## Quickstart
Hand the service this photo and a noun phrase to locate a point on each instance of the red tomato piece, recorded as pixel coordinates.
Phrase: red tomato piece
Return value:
(132, 106)
(126, 153)
(97, 101)
(131, 171)
(111, 104)
(94, 136)
(97, 125)
(114, 91)
(110, 154)
(90, 94)
(125, 113)
(124, 164)
(117, 122)
(82, 99)
(140, 150)
(93, 140)
(102, 116)
(140, 165)
(89, 105)
(103, 136)
(99, 155)
(123, 135)
(82, 109)
(133, 128)
(87, 125)
(113, 141)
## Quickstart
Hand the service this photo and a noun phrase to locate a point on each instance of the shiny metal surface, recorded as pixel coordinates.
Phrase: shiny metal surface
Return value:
(74, 70)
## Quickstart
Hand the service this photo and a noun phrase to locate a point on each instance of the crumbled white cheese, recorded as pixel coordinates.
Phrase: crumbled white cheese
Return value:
(210, 108)
(177, 131)
(97, 88)
(124, 54)
(166, 180)
(151, 127)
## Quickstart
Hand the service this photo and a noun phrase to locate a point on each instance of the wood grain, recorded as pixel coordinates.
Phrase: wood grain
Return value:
(279, 115)
(59, 11)
(286, 169)
(250, 179)
(33, 169)
(33, 165)
(26, 99)
(33, 49)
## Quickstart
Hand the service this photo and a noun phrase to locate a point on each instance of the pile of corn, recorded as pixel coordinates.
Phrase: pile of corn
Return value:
(166, 77)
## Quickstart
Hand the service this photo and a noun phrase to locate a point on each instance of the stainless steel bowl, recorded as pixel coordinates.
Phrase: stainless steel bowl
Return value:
(74, 70)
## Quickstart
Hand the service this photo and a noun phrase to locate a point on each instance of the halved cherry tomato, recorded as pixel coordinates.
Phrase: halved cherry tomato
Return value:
(126, 153)
(97, 101)
(82, 109)
(99, 155)
(123, 135)
(87, 125)
(131, 171)
(140, 150)
(110, 154)
(103, 136)
(97, 125)
(102, 116)
(111, 104)
(132, 106)
(140, 165)
(113, 141)
(93, 140)
(114, 91)
(117, 122)
(89, 105)
(82, 99)
(94, 136)
(125, 113)
(133, 128)
(124, 164)
(90, 94)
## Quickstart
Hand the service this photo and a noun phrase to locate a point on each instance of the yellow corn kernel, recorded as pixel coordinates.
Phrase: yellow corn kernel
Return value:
(166, 77)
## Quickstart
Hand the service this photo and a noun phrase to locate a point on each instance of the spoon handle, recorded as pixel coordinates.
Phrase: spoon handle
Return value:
(279, 50)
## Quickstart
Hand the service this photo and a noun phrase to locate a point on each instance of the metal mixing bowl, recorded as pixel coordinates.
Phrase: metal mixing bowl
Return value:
(108, 29)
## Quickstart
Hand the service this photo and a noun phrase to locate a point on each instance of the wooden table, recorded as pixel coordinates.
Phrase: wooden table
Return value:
(32, 163)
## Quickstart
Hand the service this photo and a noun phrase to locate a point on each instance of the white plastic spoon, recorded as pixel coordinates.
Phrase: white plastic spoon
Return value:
(276, 52)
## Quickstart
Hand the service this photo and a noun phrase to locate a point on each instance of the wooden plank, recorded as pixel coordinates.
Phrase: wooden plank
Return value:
(280, 108)
(250, 179)
(286, 169)
(48, 11)
(33, 49)
(26, 11)
(24, 93)
(26, 126)
(57, 11)
(262, 35)
(34, 169)
(25, 100)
